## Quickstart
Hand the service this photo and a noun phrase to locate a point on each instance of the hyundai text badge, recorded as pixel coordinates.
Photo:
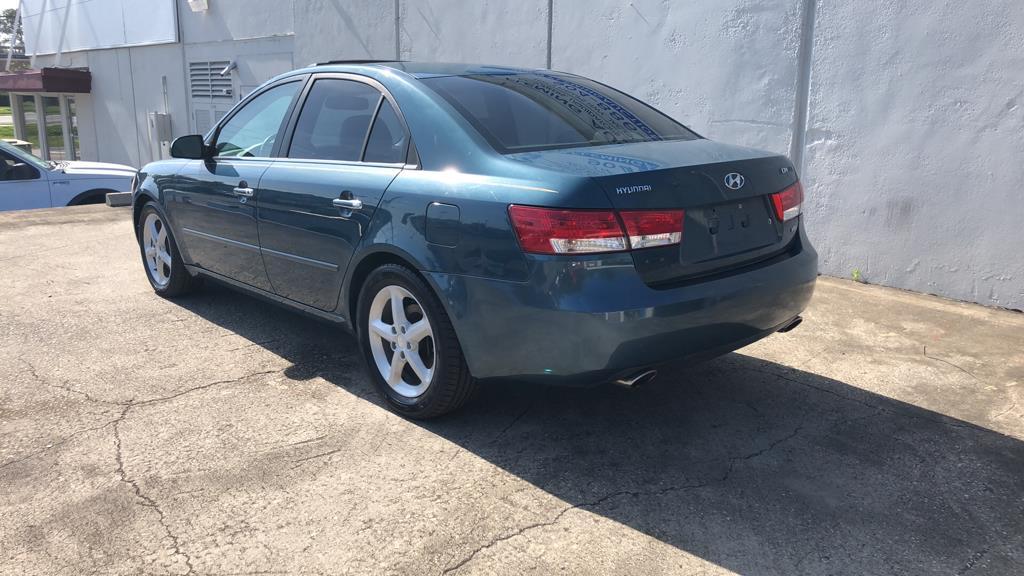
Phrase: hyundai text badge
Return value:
(734, 181)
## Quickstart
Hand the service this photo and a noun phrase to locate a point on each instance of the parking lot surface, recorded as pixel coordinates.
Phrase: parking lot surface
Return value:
(218, 434)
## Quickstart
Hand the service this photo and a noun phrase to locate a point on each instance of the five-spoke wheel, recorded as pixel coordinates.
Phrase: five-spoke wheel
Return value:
(164, 268)
(155, 249)
(409, 343)
(402, 341)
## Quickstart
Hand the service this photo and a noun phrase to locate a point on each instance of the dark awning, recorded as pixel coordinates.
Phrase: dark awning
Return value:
(71, 80)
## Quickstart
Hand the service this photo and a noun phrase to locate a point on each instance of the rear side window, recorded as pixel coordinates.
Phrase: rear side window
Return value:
(537, 111)
(387, 141)
(334, 120)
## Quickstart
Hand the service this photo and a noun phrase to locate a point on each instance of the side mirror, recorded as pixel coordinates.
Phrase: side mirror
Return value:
(191, 147)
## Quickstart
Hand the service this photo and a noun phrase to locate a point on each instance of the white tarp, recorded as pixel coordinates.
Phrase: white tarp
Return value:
(96, 24)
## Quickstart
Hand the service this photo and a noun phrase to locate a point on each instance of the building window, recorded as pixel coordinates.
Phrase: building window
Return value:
(47, 125)
(72, 119)
(28, 119)
(53, 123)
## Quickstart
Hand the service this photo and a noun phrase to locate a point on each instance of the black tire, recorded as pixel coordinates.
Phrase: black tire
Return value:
(180, 281)
(451, 384)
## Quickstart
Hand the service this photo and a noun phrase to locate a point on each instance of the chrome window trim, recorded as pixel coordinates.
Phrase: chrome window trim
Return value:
(293, 119)
(342, 162)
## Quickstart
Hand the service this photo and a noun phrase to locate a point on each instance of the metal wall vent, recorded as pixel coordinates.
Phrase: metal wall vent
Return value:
(205, 80)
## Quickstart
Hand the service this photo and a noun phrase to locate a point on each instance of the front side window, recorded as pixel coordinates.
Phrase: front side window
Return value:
(537, 111)
(17, 156)
(251, 131)
(13, 168)
(334, 120)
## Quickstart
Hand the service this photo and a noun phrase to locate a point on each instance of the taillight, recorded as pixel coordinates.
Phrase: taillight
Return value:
(549, 231)
(558, 231)
(653, 228)
(787, 203)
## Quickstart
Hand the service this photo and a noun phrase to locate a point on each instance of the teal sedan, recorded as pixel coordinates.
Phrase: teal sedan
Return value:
(471, 223)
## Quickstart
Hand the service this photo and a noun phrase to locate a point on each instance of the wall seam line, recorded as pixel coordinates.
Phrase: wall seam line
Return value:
(135, 109)
(801, 107)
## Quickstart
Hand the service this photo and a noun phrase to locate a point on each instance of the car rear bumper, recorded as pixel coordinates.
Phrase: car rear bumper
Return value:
(587, 322)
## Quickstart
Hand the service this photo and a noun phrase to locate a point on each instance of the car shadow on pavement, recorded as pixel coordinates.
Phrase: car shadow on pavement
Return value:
(749, 464)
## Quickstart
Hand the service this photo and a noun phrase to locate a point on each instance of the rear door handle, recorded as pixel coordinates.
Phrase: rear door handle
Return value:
(348, 204)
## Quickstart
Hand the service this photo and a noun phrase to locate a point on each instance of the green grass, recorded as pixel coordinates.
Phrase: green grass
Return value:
(54, 139)
(5, 110)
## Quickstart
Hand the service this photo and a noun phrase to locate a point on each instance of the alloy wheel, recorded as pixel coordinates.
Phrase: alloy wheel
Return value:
(156, 246)
(402, 341)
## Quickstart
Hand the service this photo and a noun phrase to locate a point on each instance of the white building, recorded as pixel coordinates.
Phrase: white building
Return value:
(906, 116)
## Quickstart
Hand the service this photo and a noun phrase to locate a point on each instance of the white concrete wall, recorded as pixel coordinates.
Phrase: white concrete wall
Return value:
(237, 20)
(126, 85)
(150, 65)
(906, 115)
(726, 68)
(492, 32)
(915, 146)
(335, 29)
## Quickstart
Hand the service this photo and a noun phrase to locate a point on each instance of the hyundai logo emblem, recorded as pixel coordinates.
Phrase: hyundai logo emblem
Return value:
(734, 181)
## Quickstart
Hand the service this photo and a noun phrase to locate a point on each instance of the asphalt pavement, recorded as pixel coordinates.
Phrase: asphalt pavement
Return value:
(218, 434)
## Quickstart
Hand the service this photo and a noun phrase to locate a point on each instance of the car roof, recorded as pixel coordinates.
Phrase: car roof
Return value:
(420, 69)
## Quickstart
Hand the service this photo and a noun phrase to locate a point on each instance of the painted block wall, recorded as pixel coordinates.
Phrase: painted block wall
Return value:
(726, 68)
(332, 29)
(905, 115)
(493, 32)
(915, 146)
(237, 20)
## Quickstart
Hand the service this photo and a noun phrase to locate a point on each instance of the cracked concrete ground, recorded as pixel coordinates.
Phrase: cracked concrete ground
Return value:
(221, 435)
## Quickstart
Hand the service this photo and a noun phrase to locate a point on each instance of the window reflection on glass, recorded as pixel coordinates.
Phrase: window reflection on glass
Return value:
(54, 129)
(73, 122)
(28, 108)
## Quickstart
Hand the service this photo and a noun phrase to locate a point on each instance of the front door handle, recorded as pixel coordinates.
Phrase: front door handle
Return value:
(348, 203)
(243, 191)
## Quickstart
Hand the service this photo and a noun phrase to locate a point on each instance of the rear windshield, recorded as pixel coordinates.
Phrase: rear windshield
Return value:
(537, 111)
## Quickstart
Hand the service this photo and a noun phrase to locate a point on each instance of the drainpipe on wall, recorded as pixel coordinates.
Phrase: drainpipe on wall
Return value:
(551, 23)
(398, 30)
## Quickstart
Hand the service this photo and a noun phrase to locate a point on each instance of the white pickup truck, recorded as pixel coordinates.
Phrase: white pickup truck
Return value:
(30, 182)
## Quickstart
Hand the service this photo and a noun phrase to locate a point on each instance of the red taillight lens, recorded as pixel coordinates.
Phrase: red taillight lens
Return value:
(549, 231)
(556, 231)
(787, 203)
(653, 228)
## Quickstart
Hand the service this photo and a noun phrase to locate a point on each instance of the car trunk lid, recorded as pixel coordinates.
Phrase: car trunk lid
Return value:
(724, 190)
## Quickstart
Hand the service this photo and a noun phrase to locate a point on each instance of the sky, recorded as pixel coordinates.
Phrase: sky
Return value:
(4, 4)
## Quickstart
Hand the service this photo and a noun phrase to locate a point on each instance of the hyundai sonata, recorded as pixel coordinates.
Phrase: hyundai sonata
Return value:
(470, 223)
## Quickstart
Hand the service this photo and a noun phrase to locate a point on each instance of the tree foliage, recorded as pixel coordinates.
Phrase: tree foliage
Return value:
(7, 29)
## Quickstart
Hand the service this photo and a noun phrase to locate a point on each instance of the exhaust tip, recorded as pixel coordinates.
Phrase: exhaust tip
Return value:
(796, 322)
(637, 379)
